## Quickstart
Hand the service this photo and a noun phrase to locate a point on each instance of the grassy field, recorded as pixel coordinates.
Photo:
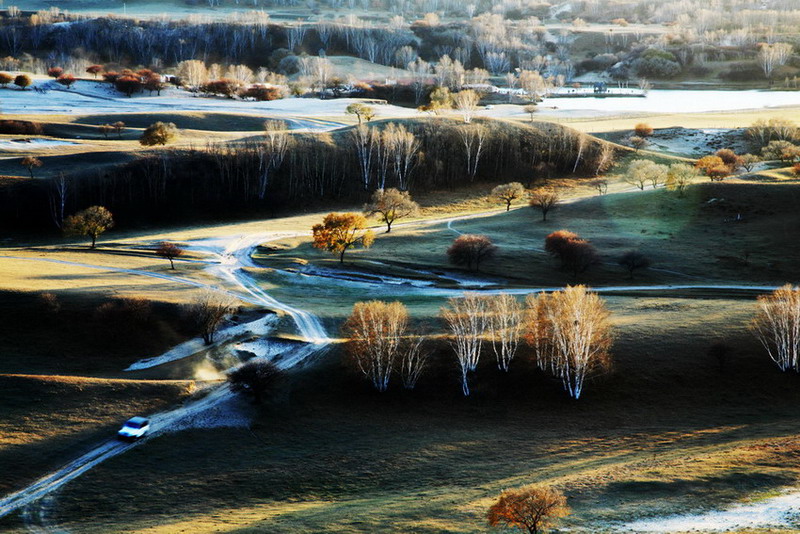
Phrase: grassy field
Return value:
(691, 239)
(665, 432)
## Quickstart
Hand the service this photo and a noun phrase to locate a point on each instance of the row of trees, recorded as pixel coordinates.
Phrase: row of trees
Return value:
(568, 332)
(286, 169)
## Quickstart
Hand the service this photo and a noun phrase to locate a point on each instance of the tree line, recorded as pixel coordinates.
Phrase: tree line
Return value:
(285, 170)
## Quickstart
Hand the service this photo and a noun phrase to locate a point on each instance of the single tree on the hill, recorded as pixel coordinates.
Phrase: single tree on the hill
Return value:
(466, 102)
(361, 111)
(531, 110)
(22, 81)
(106, 129)
(530, 509)
(637, 142)
(634, 260)
(749, 161)
(94, 70)
(159, 133)
(471, 249)
(30, 163)
(680, 176)
(643, 129)
(169, 251)
(67, 80)
(570, 333)
(340, 232)
(545, 201)
(119, 126)
(90, 222)
(508, 193)
(391, 204)
(55, 72)
(576, 254)
(208, 311)
(257, 378)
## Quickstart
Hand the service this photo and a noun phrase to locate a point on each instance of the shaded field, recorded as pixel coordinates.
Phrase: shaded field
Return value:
(666, 431)
(90, 335)
(48, 420)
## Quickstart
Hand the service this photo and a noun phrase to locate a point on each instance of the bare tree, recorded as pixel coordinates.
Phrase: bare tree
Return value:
(365, 142)
(30, 163)
(257, 378)
(472, 139)
(504, 319)
(208, 311)
(570, 333)
(508, 193)
(390, 205)
(545, 200)
(777, 326)
(413, 360)
(466, 102)
(272, 153)
(59, 192)
(466, 319)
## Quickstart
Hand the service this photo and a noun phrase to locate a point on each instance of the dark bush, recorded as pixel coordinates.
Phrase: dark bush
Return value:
(20, 127)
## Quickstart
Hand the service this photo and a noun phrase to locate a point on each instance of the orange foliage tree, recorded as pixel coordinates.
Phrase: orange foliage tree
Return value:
(530, 509)
(339, 232)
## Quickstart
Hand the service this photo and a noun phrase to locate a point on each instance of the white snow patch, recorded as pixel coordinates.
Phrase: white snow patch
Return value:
(259, 327)
(28, 144)
(780, 511)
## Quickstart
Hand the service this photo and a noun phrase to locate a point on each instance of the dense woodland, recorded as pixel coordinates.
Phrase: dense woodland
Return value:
(285, 171)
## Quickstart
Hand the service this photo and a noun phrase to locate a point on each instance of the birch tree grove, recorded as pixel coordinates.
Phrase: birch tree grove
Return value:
(466, 319)
(273, 151)
(472, 137)
(376, 330)
(777, 326)
(570, 333)
(504, 321)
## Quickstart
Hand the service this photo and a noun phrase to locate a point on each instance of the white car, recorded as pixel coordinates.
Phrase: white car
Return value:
(133, 429)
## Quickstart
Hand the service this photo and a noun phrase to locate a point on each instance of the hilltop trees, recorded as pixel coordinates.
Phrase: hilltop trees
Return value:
(340, 232)
(508, 193)
(471, 249)
(390, 205)
(530, 509)
(159, 133)
(571, 335)
(30, 163)
(777, 326)
(91, 222)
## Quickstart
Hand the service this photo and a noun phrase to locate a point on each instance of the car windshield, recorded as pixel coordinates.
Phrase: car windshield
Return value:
(135, 424)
